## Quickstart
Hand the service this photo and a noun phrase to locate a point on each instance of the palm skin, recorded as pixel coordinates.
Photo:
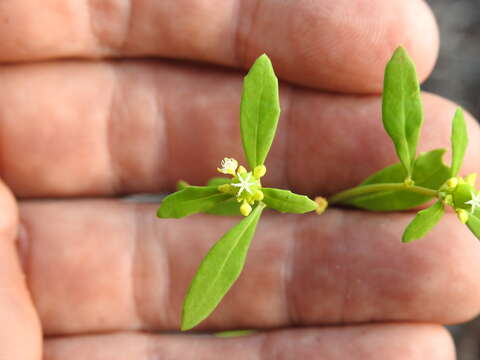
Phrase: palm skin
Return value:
(84, 275)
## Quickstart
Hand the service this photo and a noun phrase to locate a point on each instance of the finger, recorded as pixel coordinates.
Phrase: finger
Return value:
(120, 268)
(372, 342)
(340, 46)
(141, 127)
(19, 330)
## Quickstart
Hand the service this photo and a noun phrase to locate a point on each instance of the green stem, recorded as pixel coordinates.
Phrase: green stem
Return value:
(367, 189)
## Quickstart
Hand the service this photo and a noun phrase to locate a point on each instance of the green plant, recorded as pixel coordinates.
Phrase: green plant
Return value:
(408, 184)
(416, 180)
(242, 193)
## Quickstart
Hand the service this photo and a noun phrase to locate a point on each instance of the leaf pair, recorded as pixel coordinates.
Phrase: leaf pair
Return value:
(426, 219)
(259, 113)
(429, 171)
(207, 199)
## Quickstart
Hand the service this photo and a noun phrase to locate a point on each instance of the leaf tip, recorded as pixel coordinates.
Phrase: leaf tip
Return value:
(160, 212)
(264, 58)
(400, 52)
(186, 322)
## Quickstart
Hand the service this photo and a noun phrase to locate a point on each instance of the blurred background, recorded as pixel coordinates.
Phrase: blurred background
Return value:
(457, 77)
(457, 73)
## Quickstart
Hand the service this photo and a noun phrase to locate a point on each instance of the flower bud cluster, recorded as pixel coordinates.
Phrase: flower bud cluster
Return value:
(460, 193)
(245, 185)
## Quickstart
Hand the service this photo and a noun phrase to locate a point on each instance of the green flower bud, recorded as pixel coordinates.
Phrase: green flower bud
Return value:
(259, 171)
(258, 196)
(470, 179)
(245, 208)
(322, 204)
(462, 215)
(461, 195)
(241, 170)
(452, 183)
(225, 188)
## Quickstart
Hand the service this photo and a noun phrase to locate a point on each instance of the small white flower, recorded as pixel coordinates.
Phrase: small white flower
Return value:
(244, 183)
(229, 166)
(475, 202)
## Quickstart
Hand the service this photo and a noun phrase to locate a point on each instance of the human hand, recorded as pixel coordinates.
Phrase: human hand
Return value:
(106, 275)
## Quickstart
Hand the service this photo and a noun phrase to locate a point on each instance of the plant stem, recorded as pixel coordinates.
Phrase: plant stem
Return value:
(367, 189)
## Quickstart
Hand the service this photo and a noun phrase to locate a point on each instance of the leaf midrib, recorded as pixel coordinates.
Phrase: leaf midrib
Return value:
(258, 117)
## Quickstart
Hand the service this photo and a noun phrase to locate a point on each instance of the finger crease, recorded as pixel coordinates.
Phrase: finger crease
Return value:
(135, 286)
(116, 182)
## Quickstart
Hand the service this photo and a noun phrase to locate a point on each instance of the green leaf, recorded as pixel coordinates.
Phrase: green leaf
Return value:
(231, 207)
(429, 171)
(473, 224)
(459, 141)
(191, 200)
(219, 270)
(217, 181)
(234, 333)
(402, 111)
(423, 222)
(287, 202)
(259, 111)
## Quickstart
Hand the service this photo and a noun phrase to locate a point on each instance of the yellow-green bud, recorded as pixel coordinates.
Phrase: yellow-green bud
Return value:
(470, 179)
(462, 215)
(225, 188)
(241, 170)
(452, 183)
(245, 208)
(462, 195)
(258, 196)
(408, 182)
(448, 200)
(259, 171)
(322, 205)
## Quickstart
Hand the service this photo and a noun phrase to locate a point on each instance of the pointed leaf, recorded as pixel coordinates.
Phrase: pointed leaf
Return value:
(287, 202)
(423, 222)
(234, 333)
(217, 181)
(259, 111)
(219, 270)
(231, 207)
(182, 185)
(191, 200)
(459, 141)
(473, 224)
(402, 111)
(429, 171)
